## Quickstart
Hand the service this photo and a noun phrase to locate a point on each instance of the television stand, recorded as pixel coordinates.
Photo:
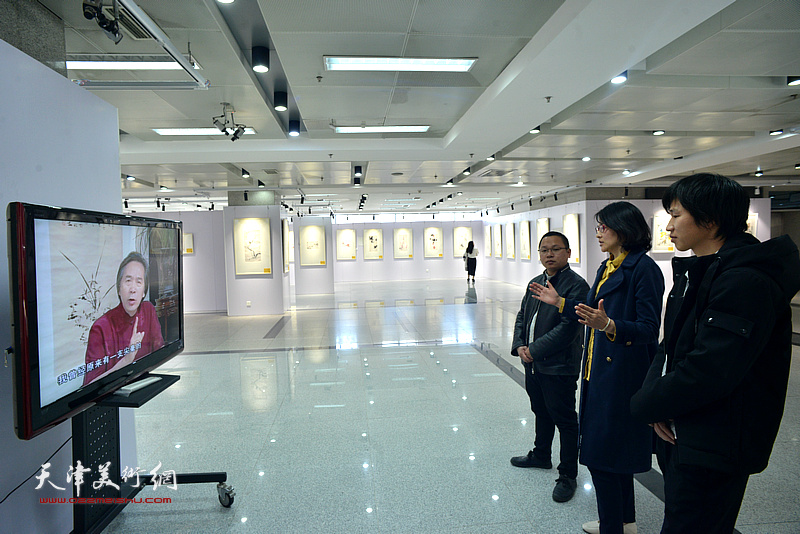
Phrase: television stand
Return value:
(95, 441)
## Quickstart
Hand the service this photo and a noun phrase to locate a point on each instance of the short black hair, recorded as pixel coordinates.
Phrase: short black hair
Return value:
(556, 234)
(711, 199)
(629, 224)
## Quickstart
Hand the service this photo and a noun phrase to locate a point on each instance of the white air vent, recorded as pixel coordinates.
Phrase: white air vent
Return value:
(496, 173)
(128, 24)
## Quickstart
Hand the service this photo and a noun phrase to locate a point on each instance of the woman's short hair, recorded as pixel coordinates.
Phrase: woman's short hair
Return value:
(131, 257)
(711, 199)
(629, 224)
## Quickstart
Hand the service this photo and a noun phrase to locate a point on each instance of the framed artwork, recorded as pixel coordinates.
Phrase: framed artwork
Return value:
(752, 223)
(525, 240)
(497, 238)
(661, 242)
(291, 246)
(542, 227)
(312, 245)
(285, 238)
(403, 243)
(510, 241)
(487, 241)
(188, 243)
(433, 242)
(346, 244)
(572, 231)
(462, 235)
(373, 244)
(251, 246)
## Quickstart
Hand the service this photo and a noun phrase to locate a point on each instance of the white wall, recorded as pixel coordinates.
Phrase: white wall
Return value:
(59, 145)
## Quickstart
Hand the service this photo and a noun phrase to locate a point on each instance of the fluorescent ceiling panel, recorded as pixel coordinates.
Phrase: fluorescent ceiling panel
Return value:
(406, 64)
(381, 129)
(127, 65)
(195, 131)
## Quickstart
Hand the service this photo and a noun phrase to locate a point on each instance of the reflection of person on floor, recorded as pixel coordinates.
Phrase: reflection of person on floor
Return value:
(128, 332)
(471, 295)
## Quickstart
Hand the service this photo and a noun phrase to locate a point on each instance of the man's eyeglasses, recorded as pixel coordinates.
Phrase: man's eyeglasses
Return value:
(554, 250)
(600, 228)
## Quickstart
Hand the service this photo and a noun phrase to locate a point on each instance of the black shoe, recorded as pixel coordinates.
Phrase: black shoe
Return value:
(529, 460)
(565, 489)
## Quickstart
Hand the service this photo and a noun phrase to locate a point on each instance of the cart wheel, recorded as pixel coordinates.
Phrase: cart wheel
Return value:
(226, 500)
(226, 494)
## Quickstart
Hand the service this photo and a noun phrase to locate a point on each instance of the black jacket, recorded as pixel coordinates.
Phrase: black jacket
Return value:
(727, 347)
(556, 348)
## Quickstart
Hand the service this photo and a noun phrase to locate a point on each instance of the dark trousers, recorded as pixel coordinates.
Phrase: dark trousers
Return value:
(614, 492)
(697, 499)
(553, 403)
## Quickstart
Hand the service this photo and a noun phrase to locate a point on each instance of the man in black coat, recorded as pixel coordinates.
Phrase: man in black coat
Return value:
(716, 389)
(549, 346)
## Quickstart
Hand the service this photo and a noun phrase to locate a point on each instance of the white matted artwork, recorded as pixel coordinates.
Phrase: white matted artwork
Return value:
(312, 245)
(188, 243)
(462, 235)
(487, 241)
(251, 245)
(661, 242)
(433, 242)
(291, 246)
(497, 240)
(542, 227)
(285, 237)
(403, 243)
(345, 244)
(510, 241)
(752, 223)
(572, 231)
(373, 244)
(525, 240)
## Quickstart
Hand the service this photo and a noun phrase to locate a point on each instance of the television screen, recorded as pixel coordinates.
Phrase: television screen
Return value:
(97, 301)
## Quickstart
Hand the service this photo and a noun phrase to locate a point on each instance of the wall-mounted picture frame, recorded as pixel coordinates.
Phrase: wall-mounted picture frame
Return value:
(373, 244)
(752, 224)
(462, 235)
(510, 242)
(346, 244)
(571, 229)
(188, 243)
(497, 239)
(661, 242)
(434, 242)
(487, 240)
(403, 243)
(542, 227)
(285, 239)
(312, 245)
(525, 240)
(291, 246)
(252, 248)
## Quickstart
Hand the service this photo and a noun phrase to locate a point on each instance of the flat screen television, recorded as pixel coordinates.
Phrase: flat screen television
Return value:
(97, 301)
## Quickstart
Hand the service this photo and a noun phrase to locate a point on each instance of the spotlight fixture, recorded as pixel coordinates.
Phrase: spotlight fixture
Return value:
(238, 133)
(459, 193)
(373, 216)
(541, 199)
(294, 128)
(467, 171)
(757, 191)
(245, 174)
(797, 166)
(221, 126)
(130, 178)
(302, 199)
(261, 59)
(536, 130)
(357, 171)
(450, 196)
(93, 9)
(530, 202)
(261, 184)
(626, 192)
(309, 210)
(158, 202)
(212, 207)
(490, 158)
(512, 207)
(245, 196)
(449, 182)
(281, 101)
(555, 196)
(659, 132)
(225, 123)
(498, 211)
(776, 132)
(620, 78)
(793, 80)
(626, 172)
(125, 203)
(357, 181)
(758, 173)
(163, 207)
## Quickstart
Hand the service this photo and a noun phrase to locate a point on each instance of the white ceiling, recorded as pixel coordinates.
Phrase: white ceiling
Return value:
(711, 73)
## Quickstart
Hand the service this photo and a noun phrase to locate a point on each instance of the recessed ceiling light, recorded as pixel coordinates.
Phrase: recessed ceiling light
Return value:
(380, 129)
(586, 158)
(776, 132)
(620, 78)
(490, 158)
(626, 172)
(406, 64)
(536, 130)
(659, 132)
(793, 80)
(130, 178)
(196, 131)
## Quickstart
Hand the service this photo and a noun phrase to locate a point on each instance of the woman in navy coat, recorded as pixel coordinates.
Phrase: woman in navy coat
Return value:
(622, 314)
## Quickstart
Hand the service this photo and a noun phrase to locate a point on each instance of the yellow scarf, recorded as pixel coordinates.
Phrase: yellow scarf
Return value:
(611, 266)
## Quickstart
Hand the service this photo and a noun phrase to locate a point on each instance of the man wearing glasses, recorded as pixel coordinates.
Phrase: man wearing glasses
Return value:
(549, 346)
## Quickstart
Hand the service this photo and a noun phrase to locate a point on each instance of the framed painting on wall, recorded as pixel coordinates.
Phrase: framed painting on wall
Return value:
(403, 243)
(373, 244)
(188, 243)
(542, 227)
(433, 242)
(251, 246)
(572, 231)
(462, 235)
(752, 223)
(525, 240)
(346, 244)
(661, 242)
(286, 249)
(291, 246)
(487, 241)
(312, 245)
(497, 240)
(510, 241)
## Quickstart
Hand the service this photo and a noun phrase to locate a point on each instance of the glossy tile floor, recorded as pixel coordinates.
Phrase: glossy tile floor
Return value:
(384, 408)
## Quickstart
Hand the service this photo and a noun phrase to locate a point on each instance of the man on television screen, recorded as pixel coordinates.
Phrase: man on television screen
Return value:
(128, 332)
